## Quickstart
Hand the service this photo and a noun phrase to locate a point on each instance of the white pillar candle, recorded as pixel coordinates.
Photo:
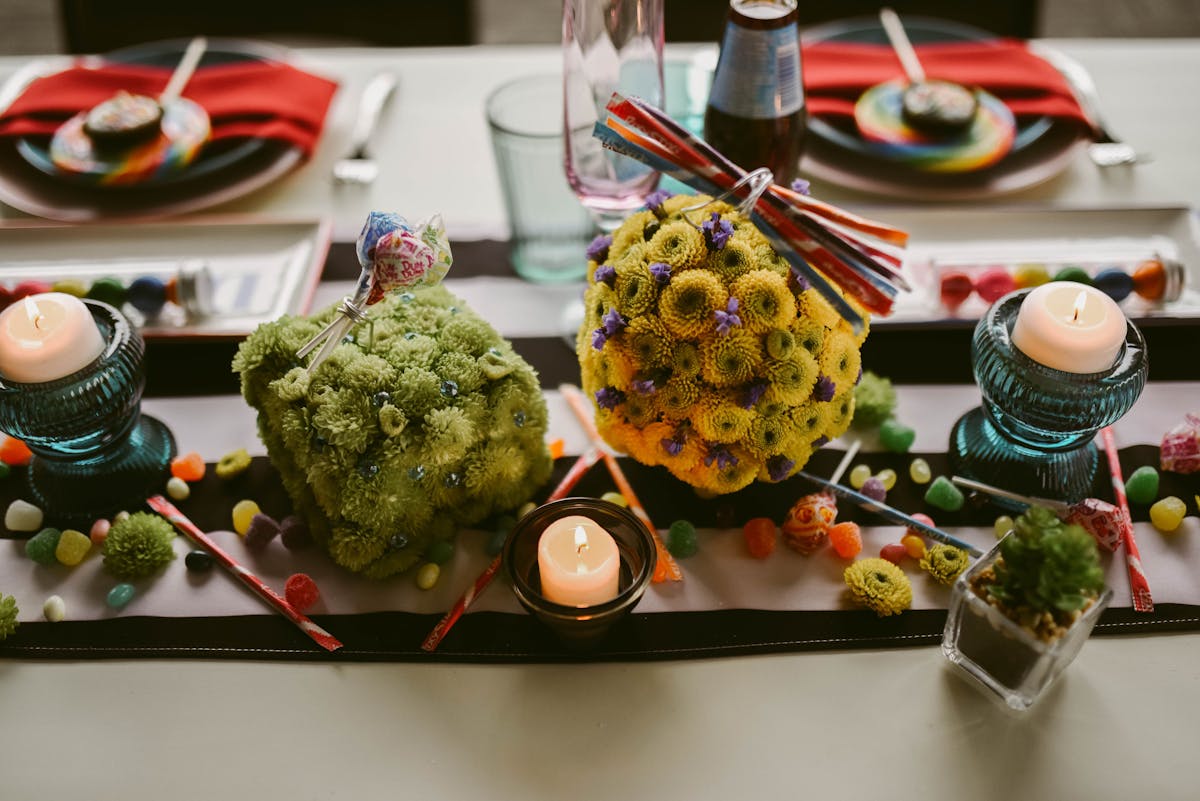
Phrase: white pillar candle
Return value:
(45, 337)
(578, 562)
(1070, 327)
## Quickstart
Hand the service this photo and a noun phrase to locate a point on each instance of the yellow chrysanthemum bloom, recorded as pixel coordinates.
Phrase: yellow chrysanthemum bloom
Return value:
(677, 398)
(811, 418)
(631, 233)
(719, 419)
(945, 562)
(809, 334)
(636, 289)
(648, 342)
(764, 301)
(688, 302)
(732, 359)
(879, 585)
(840, 360)
(685, 360)
(791, 380)
(812, 306)
(677, 244)
(732, 261)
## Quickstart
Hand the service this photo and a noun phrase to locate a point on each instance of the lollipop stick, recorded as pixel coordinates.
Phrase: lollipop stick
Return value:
(851, 452)
(183, 73)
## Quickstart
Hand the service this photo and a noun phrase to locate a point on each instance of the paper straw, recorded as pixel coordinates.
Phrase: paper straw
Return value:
(891, 513)
(666, 567)
(177, 518)
(1139, 585)
(439, 632)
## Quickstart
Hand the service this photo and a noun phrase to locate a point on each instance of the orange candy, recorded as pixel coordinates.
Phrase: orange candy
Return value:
(760, 537)
(14, 452)
(557, 447)
(846, 539)
(188, 467)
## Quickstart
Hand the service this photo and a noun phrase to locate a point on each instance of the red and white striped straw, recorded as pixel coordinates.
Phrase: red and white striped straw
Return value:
(439, 632)
(177, 518)
(1139, 586)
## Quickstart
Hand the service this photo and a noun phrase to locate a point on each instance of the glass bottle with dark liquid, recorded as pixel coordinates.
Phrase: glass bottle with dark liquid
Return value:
(755, 113)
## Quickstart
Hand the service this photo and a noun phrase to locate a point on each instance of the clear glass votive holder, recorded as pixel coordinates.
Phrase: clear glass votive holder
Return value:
(580, 628)
(1034, 433)
(1002, 656)
(94, 452)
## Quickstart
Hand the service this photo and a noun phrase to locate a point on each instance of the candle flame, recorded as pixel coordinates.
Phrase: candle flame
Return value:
(35, 314)
(1080, 302)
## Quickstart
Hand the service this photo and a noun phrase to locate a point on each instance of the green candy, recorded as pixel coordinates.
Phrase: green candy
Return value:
(1076, 274)
(41, 546)
(1142, 486)
(108, 290)
(440, 552)
(681, 539)
(944, 495)
(5, 470)
(896, 436)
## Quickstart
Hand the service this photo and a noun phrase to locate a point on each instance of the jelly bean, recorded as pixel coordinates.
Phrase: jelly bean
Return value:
(896, 437)
(913, 545)
(1167, 514)
(54, 609)
(243, 512)
(893, 552)
(859, 475)
(919, 471)
(944, 495)
(887, 477)
(189, 467)
(1076, 274)
(846, 539)
(120, 517)
(956, 287)
(233, 463)
(681, 539)
(427, 576)
(120, 596)
(147, 294)
(1114, 282)
(615, 497)
(301, 591)
(72, 547)
(441, 551)
(41, 547)
(178, 489)
(1027, 276)
(99, 532)
(1142, 486)
(920, 517)
(760, 533)
(294, 533)
(1003, 525)
(14, 452)
(23, 516)
(873, 489)
(198, 561)
(261, 531)
(994, 283)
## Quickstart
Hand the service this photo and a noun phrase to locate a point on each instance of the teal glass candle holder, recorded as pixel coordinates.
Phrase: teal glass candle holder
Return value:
(1033, 434)
(94, 452)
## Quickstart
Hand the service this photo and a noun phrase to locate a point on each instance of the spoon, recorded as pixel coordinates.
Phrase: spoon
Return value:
(930, 105)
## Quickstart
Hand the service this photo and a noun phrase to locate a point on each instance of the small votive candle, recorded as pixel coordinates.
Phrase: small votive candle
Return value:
(1070, 327)
(578, 562)
(47, 336)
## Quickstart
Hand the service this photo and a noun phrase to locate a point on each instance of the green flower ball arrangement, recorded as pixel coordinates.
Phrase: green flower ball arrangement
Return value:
(422, 421)
(705, 354)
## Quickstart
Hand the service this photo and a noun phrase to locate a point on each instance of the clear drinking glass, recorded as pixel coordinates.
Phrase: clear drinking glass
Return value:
(608, 46)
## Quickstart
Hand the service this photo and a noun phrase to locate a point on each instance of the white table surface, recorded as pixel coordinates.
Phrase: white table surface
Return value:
(856, 724)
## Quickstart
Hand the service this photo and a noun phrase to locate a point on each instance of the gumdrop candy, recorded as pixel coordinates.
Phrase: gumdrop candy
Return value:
(615, 497)
(72, 547)
(261, 531)
(14, 452)
(294, 533)
(896, 436)
(1002, 526)
(846, 539)
(1114, 282)
(944, 495)
(994, 283)
(243, 512)
(956, 287)
(808, 522)
(1030, 275)
(189, 467)
(1142, 486)
(759, 533)
(41, 547)
(887, 477)
(23, 516)
(681, 539)
(301, 591)
(920, 517)
(1167, 514)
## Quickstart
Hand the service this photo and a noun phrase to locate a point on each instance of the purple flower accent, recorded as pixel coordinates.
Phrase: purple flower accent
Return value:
(802, 186)
(778, 467)
(655, 199)
(599, 338)
(824, 389)
(727, 319)
(753, 393)
(644, 387)
(671, 446)
(859, 376)
(716, 231)
(661, 271)
(799, 282)
(614, 323)
(820, 442)
(721, 455)
(608, 397)
(605, 274)
(598, 249)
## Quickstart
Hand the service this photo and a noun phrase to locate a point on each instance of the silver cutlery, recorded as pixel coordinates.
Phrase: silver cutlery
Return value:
(1105, 150)
(359, 166)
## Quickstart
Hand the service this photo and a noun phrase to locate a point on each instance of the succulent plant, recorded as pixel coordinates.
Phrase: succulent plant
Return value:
(705, 354)
(1047, 565)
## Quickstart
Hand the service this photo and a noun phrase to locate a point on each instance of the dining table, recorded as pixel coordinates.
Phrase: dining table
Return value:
(806, 715)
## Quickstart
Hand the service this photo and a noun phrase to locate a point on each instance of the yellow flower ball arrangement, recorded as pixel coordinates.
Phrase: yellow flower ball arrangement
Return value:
(704, 352)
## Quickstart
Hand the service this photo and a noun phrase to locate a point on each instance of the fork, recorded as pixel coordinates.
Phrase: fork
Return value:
(1105, 150)
(358, 166)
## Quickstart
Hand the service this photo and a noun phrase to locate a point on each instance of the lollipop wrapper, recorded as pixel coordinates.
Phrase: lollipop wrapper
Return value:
(399, 255)
(1105, 522)
(1180, 451)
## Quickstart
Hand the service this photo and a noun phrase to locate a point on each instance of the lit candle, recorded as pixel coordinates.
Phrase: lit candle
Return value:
(1070, 327)
(578, 562)
(47, 336)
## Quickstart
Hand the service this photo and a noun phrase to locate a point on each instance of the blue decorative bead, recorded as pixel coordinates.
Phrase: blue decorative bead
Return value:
(449, 388)
(368, 469)
(454, 310)
(494, 352)
(1114, 282)
(407, 297)
(147, 294)
(416, 473)
(119, 596)
(453, 480)
(519, 419)
(397, 542)
(410, 334)
(379, 399)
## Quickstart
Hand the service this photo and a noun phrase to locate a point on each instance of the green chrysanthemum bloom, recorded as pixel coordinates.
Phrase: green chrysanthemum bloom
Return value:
(717, 419)
(648, 342)
(687, 304)
(809, 334)
(636, 289)
(879, 585)
(138, 546)
(764, 301)
(874, 400)
(945, 562)
(792, 379)
(678, 244)
(732, 261)
(8, 616)
(780, 344)
(727, 361)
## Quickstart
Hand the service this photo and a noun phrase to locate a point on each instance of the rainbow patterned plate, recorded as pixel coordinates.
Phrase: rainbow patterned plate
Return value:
(878, 114)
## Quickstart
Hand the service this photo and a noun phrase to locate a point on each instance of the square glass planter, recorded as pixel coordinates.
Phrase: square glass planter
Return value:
(1002, 655)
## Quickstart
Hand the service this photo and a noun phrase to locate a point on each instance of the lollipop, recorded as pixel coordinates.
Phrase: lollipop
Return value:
(393, 254)
(808, 521)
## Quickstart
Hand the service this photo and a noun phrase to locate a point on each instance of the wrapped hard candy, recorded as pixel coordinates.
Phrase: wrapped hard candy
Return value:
(1105, 522)
(1180, 451)
(808, 522)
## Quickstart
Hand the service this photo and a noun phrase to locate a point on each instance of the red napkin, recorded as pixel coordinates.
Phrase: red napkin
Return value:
(251, 99)
(836, 73)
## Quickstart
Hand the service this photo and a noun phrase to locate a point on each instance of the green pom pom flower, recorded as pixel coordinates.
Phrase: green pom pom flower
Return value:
(8, 616)
(138, 546)
(874, 400)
